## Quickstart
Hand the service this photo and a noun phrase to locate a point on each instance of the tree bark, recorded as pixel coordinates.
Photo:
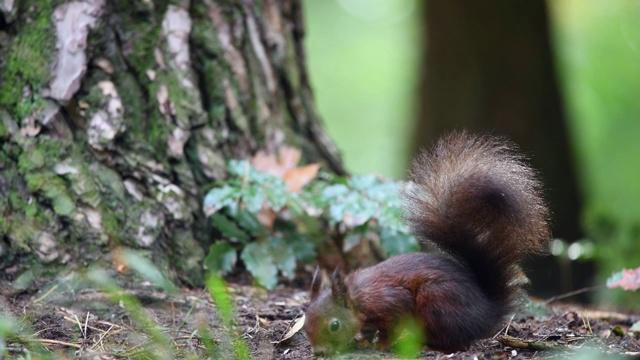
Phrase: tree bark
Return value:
(489, 68)
(116, 115)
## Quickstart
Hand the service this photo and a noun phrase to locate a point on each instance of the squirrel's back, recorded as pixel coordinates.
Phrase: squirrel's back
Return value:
(474, 198)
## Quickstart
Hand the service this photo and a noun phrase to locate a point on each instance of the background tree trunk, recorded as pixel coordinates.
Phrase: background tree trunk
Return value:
(116, 115)
(489, 68)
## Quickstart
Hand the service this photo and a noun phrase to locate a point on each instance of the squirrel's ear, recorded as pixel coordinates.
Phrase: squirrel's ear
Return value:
(316, 284)
(339, 289)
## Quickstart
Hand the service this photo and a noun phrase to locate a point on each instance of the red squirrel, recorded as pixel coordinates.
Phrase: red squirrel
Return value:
(476, 200)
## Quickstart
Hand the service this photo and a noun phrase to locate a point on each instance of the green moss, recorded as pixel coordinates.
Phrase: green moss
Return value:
(38, 151)
(141, 29)
(4, 225)
(30, 105)
(212, 72)
(31, 210)
(110, 223)
(62, 203)
(109, 179)
(30, 160)
(203, 35)
(4, 132)
(23, 230)
(16, 201)
(53, 188)
(28, 58)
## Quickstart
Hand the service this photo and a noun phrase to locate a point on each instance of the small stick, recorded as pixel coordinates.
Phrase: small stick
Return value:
(572, 293)
(57, 342)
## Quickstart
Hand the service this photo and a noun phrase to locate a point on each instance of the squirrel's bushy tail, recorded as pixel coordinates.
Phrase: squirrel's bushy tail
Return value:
(475, 198)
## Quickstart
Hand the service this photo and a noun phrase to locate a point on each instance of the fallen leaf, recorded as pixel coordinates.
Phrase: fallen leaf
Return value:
(628, 279)
(119, 261)
(289, 157)
(266, 217)
(286, 160)
(267, 163)
(297, 178)
(297, 326)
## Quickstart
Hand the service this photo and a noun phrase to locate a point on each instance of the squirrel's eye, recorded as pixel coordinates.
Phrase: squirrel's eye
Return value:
(335, 325)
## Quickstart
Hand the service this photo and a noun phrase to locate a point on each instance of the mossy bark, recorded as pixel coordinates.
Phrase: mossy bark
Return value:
(115, 116)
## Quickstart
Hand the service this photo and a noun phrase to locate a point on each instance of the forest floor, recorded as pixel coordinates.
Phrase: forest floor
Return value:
(56, 323)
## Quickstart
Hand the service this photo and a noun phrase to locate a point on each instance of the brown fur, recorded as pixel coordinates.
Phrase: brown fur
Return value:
(474, 199)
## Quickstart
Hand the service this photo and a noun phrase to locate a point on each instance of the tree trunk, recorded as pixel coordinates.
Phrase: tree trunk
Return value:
(115, 115)
(489, 68)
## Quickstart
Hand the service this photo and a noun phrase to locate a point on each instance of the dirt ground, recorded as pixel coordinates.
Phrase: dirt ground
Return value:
(86, 324)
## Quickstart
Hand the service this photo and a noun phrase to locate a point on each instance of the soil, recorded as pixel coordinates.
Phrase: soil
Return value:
(85, 323)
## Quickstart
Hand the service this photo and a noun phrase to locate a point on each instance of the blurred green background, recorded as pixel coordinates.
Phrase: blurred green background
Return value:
(364, 58)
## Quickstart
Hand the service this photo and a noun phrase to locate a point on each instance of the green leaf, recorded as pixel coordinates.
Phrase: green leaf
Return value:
(354, 210)
(395, 242)
(283, 256)
(387, 193)
(333, 192)
(259, 261)
(253, 197)
(220, 295)
(363, 182)
(222, 257)
(303, 247)
(228, 228)
(391, 217)
(248, 221)
(239, 168)
(277, 195)
(146, 269)
(219, 198)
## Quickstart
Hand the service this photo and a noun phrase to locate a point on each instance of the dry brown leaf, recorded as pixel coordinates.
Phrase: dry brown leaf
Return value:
(119, 262)
(297, 326)
(266, 217)
(289, 157)
(267, 163)
(297, 178)
(277, 165)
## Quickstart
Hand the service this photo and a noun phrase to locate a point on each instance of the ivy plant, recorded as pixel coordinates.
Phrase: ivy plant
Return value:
(272, 228)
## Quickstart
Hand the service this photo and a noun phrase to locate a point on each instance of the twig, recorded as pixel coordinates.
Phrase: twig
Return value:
(587, 324)
(102, 336)
(575, 292)
(506, 328)
(524, 344)
(86, 321)
(84, 335)
(49, 292)
(58, 342)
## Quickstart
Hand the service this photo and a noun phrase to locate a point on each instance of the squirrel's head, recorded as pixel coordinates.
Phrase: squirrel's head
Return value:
(332, 318)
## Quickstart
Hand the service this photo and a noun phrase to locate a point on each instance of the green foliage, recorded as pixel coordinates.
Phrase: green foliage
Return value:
(146, 269)
(411, 341)
(152, 340)
(243, 209)
(597, 53)
(219, 294)
(377, 44)
(27, 61)
(222, 257)
(17, 332)
(160, 342)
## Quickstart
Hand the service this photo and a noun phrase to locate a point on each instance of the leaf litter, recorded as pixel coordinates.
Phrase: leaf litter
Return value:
(87, 324)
